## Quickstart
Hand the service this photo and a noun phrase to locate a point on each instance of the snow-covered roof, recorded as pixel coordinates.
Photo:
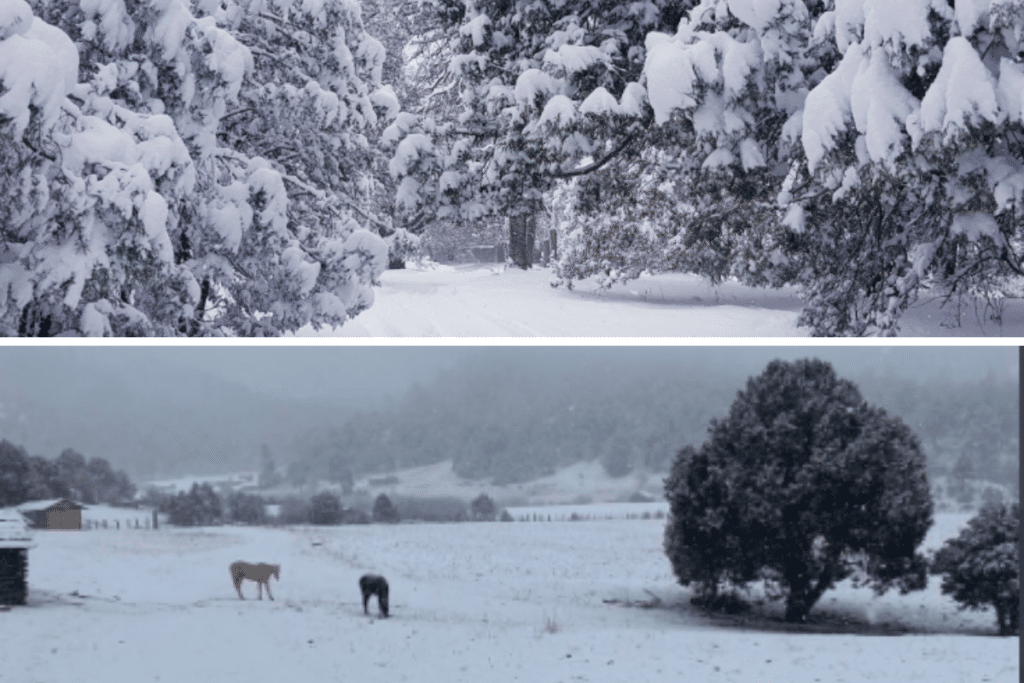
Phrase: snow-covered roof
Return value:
(37, 505)
(14, 532)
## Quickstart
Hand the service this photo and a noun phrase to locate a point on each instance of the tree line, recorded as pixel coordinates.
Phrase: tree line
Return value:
(25, 477)
(202, 505)
(629, 419)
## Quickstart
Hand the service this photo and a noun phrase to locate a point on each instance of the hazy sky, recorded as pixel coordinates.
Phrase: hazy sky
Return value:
(360, 375)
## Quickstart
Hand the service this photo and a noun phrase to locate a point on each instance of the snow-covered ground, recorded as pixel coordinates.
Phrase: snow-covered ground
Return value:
(580, 481)
(564, 601)
(494, 301)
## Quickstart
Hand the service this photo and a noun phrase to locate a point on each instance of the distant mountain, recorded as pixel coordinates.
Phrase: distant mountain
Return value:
(511, 420)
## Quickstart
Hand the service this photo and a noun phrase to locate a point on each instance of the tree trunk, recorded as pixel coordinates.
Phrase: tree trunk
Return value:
(803, 597)
(522, 230)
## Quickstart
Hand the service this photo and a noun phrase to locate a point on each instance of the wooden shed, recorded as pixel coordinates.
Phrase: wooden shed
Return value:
(15, 540)
(57, 513)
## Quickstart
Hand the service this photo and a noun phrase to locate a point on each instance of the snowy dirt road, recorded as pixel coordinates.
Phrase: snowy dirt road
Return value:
(495, 301)
(588, 601)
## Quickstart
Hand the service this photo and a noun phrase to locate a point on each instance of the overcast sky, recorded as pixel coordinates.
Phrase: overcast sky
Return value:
(167, 409)
(361, 375)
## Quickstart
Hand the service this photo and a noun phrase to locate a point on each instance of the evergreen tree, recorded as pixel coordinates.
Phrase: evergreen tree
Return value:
(384, 510)
(179, 168)
(15, 473)
(546, 92)
(483, 509)
(245, 508)
(981, 566)
(803, 484)
(201, 506)
(861, 154)
(325, 508)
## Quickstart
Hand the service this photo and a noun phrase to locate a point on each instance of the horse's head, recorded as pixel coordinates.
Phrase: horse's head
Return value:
(275, 569)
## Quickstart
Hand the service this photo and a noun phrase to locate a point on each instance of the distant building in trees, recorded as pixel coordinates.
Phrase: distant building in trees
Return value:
(55, 513)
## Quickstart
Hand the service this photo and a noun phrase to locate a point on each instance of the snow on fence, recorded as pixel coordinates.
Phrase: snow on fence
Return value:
(587, 512)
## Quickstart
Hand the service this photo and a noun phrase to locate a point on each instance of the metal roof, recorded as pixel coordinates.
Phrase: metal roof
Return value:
(37, 505)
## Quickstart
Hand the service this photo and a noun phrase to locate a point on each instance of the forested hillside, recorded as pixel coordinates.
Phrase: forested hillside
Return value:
(514, 422)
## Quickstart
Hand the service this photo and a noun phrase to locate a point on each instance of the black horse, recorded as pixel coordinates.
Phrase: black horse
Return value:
(371, 584)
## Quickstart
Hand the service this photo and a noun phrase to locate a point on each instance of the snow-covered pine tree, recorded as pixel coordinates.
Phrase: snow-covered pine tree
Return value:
(914, 149)
(164, 217)
(546, 92)
(314, 105)
(866, 151)
(93, 192)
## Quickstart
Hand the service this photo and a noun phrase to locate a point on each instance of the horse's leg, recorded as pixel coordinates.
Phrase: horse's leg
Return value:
(259, 588)
(269, 594)
(366, 599)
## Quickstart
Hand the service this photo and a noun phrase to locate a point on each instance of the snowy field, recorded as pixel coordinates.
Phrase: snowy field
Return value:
(592, 601)
(495, 301)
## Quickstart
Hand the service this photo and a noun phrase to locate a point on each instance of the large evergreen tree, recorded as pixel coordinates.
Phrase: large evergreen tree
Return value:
(178, 168)
(861, 153)
(801, 486)
(546, 91)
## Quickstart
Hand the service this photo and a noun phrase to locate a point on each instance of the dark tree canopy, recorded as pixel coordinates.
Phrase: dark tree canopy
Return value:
(483, 508)
(384, 510)
(981, 566)
(325, 508)
(246, 508)
(201, 506)
(803, 485)
(24, 478)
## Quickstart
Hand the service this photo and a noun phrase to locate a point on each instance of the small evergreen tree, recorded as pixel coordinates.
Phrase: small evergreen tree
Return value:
(325, 508)
(384, 510)
(483, 509)
(981, 566)
(201, 506)
(802, 484)
(246, 508)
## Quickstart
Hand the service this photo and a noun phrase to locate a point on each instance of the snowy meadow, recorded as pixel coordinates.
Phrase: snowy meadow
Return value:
(559, 601)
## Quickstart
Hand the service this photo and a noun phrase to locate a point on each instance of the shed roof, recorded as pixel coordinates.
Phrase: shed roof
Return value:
(14, 532)
(38, 505)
